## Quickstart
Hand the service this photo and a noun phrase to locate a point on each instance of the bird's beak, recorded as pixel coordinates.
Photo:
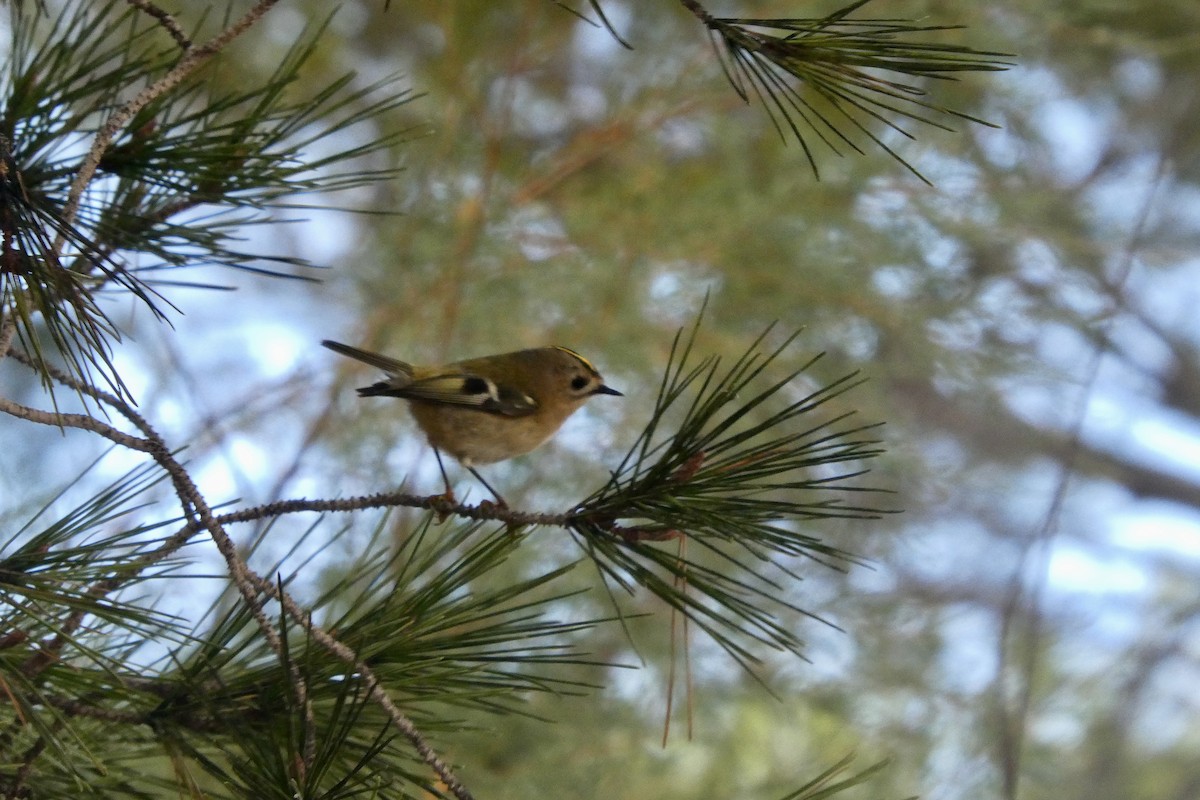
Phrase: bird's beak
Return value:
(602, 389)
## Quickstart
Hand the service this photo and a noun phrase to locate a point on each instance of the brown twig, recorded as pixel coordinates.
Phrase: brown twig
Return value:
(165, 20)
(688, 469)
(190, 498)
(439, 503)
(636, 534)
(446, 507)
(8, 329)
(59, 419)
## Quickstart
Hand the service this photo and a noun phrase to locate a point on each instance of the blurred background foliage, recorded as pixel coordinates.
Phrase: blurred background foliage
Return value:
(1029, 627)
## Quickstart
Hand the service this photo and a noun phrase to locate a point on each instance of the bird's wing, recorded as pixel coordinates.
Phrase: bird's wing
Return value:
(472, 391)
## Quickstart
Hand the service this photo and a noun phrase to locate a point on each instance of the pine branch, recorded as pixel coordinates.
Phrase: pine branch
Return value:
(421, 615)
(826, 77)
(59, 419)
(54, 578)
(743, 475)
(193, 59)
(253, 589)
(175, 147)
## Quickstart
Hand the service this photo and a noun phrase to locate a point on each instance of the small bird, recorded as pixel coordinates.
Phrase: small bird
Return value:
(488, 409)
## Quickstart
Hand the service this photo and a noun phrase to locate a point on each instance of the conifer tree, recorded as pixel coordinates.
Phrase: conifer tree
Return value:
(124, 163)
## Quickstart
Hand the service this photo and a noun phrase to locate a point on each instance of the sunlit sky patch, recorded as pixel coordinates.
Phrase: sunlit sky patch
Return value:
(1079, 570)
(1161, 527)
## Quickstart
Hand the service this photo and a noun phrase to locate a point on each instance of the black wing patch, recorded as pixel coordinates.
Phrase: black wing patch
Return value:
(476, 385)
(471, 391)
(510, 403)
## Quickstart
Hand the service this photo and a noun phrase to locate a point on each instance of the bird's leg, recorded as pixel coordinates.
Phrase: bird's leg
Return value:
(499, 500)
(448, 495)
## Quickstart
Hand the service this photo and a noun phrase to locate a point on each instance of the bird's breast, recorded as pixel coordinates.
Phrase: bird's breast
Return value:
(478, 437)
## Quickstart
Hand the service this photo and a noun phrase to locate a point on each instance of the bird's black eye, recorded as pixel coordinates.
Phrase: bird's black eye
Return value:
(578, 383)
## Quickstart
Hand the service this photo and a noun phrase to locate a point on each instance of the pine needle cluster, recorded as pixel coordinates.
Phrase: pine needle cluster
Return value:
(741, 475)
(178, 184)
(831, 78)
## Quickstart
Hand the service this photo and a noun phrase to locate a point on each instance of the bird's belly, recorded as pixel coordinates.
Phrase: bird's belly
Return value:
(478, 437)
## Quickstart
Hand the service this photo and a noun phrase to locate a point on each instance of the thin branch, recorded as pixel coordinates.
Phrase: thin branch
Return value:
(1026, 600)
(8, 330)
(438, 503)
(165, 20)
(96, 393)
(58, 419)
(190, 497)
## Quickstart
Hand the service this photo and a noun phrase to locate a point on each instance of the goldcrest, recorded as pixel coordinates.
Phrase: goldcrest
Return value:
(488, 409)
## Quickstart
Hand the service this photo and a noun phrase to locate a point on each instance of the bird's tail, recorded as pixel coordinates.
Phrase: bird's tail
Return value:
(392, 366)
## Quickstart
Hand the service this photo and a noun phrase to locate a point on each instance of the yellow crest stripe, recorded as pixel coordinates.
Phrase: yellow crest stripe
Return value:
(582, 360)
